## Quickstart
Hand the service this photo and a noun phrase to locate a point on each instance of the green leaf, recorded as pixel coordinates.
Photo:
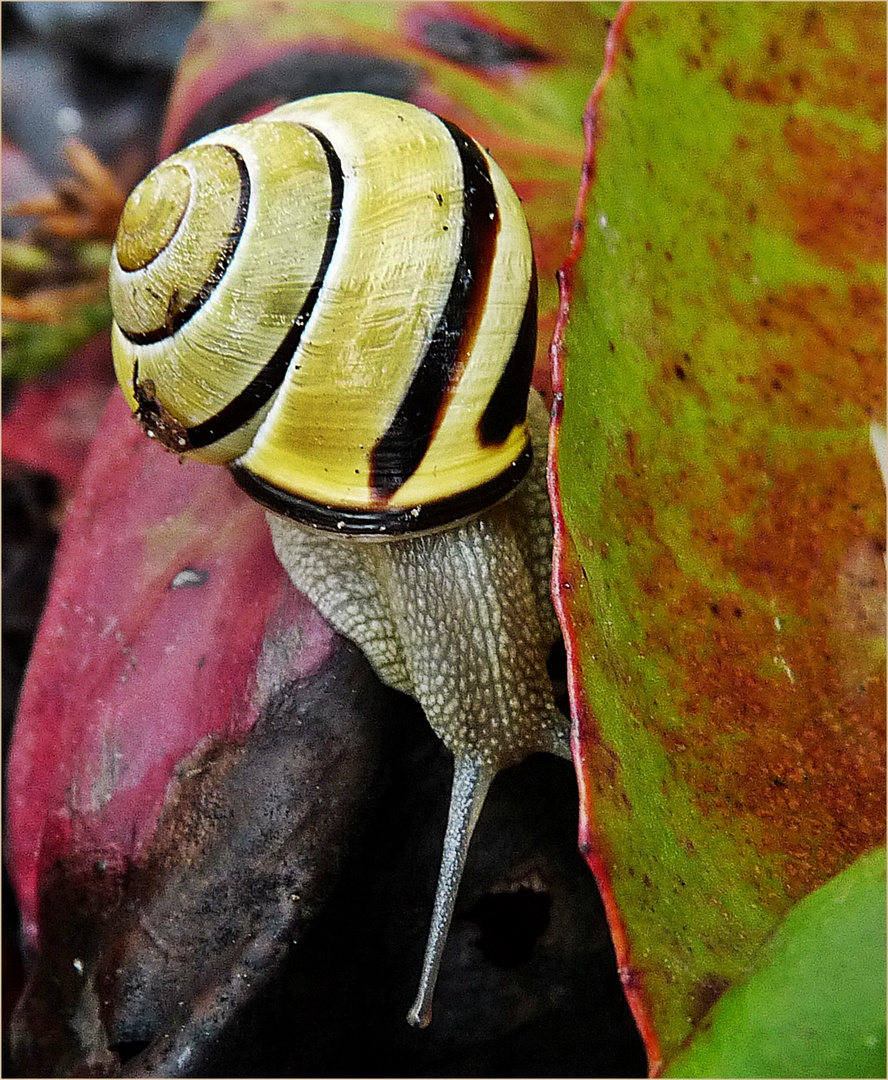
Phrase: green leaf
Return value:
(31, 349)
(722, 571)
(21, 256)
(816, 1004)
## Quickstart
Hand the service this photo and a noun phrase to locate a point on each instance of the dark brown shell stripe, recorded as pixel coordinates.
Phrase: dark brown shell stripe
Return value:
(397, 455)
(262, 388)
(508, 403)
(178, 317)
(259, 391)
(386, 522)
(400, 450)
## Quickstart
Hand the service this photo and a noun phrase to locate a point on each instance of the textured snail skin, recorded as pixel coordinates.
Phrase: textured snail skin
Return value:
(461, 620)
(337, 300)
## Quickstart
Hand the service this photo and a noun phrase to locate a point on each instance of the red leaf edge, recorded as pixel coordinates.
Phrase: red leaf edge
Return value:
(561, 583)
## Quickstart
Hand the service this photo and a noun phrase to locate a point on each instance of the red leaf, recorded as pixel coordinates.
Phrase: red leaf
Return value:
(159, 564)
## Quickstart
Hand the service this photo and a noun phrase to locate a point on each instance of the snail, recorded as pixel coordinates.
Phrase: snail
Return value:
(337, 300)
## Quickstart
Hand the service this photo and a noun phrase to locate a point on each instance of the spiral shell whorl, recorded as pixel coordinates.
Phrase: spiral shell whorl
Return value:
(337, 299)
(152, 215)
(199, 320)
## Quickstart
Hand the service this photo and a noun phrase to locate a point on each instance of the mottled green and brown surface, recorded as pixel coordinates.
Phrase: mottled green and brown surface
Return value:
(723, 567)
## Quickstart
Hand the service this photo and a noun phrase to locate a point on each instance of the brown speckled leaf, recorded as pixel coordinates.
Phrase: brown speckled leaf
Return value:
(721, 560)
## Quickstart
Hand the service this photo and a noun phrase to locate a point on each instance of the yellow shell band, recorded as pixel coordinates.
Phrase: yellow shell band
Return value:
(338, 301)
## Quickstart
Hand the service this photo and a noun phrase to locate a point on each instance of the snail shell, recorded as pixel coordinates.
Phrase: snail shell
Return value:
(371, 377)
(338, 301)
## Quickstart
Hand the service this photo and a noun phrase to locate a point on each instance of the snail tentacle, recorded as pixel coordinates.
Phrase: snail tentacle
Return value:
(471, 780)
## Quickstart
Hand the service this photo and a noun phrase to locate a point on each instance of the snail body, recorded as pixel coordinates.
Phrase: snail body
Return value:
(338, 301)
